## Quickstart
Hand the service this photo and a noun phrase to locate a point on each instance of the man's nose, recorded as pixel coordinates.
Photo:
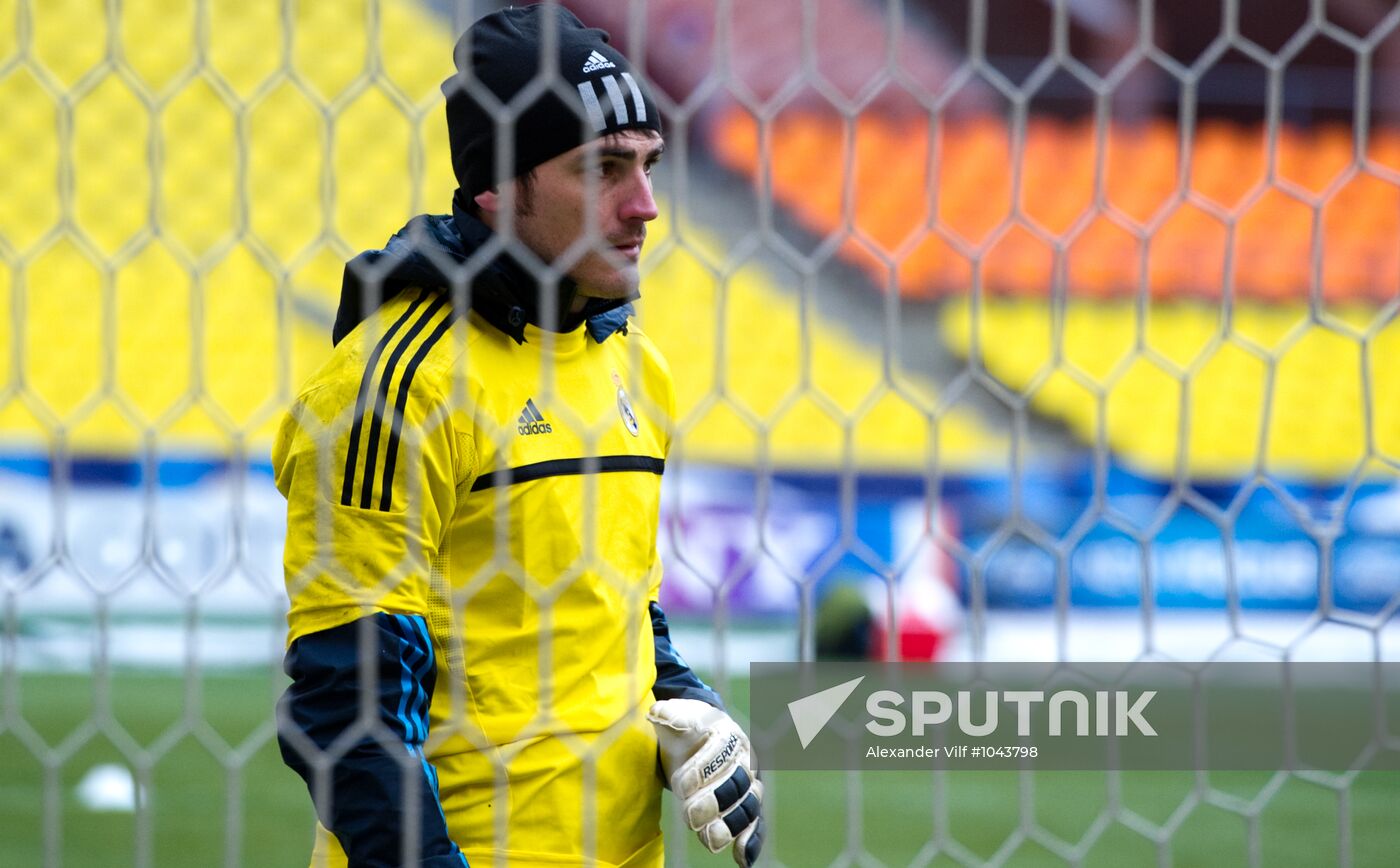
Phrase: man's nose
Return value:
(639, 203)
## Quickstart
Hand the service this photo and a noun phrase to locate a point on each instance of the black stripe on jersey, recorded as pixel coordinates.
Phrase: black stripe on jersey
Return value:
(570, 467)
(372, 453)
(400, 403)
(533, 410)
(353, 451)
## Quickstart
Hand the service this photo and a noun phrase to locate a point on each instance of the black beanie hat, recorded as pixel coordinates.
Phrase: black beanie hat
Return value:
(594, 92)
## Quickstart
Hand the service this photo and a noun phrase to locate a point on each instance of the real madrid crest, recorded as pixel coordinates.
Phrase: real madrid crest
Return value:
(624, 407)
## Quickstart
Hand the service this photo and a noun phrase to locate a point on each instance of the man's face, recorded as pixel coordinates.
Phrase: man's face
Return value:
(607, 181)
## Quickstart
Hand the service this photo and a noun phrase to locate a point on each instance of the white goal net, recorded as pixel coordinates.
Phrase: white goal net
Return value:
(1001, 330)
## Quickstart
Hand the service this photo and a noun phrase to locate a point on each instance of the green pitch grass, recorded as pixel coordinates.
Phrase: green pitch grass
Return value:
(218, 783)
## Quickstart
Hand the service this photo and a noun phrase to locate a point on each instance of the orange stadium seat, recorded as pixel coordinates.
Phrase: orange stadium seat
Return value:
(1010, 205)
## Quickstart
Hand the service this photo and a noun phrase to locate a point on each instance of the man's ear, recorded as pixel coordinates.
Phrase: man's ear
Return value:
(489, 201)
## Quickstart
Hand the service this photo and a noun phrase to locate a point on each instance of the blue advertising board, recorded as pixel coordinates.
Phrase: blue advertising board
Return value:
(754, 543)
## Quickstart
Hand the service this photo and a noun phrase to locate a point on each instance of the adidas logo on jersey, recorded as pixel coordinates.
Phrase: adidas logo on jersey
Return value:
(596, 62)
(531, 422)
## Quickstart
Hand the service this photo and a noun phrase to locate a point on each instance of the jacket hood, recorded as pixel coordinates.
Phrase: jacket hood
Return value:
(441, 251)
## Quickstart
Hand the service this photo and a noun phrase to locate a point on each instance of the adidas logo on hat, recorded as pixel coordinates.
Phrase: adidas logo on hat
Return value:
(596, 62)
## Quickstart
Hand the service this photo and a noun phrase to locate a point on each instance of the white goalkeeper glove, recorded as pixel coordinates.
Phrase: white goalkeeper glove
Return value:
(708, 763)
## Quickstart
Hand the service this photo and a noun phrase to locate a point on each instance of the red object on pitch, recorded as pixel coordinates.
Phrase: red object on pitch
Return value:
(917, 641)
(929, 613)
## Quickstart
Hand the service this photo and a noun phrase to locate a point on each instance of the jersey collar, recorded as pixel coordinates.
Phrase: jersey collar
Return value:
(436, 251)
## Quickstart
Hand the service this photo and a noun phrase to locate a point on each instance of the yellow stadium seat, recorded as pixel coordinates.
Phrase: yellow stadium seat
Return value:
(166, 308)
(1316, 408)
(801, 393)
(158, 302)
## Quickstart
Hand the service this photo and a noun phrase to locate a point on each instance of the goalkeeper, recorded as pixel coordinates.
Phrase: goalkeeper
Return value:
(481, 673)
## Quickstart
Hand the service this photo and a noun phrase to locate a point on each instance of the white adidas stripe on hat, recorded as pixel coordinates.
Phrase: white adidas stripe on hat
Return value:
(616, 98)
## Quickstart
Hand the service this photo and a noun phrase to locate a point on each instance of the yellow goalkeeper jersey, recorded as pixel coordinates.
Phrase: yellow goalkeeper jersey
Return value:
(503, 495)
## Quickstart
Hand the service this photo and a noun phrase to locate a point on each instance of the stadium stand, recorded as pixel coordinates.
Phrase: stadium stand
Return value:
(209, 210)
(1223, 221)
(200, 210)
(1178, 210)
(755, 371)
(189, 257)
(1199, 394)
